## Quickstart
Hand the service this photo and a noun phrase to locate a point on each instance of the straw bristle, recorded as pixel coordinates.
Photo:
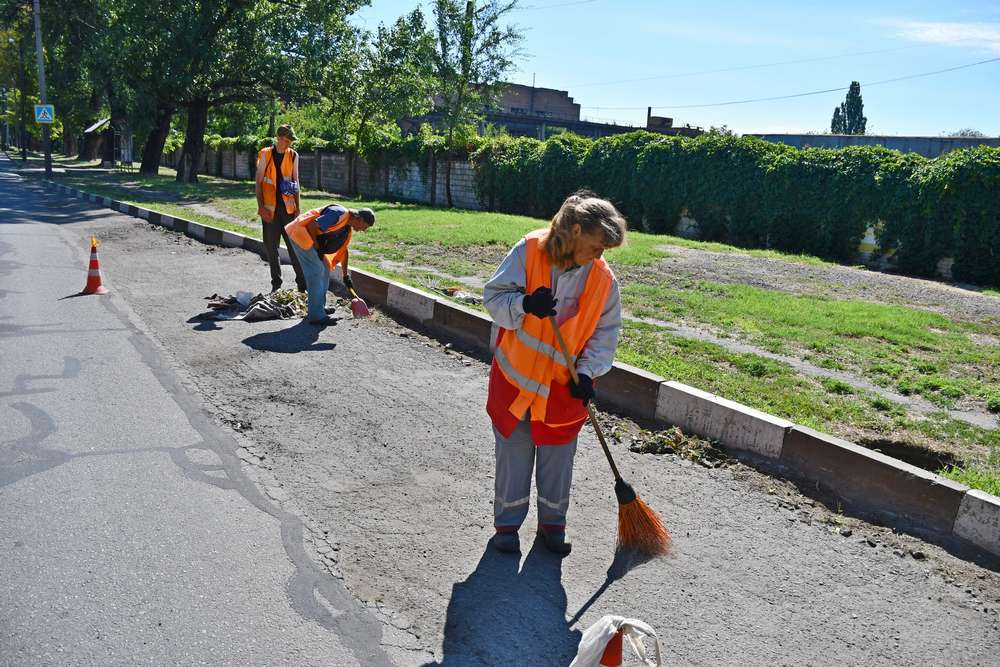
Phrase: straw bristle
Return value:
(640, 529)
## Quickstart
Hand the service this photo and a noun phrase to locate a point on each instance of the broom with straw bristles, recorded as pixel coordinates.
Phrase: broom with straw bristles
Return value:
(639, 527)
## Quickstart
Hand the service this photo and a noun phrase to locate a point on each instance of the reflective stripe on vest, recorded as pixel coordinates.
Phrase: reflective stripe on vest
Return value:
(530, 359)
(268, 187)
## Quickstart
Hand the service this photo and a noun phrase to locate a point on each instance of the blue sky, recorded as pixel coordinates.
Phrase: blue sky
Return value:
(596, 49)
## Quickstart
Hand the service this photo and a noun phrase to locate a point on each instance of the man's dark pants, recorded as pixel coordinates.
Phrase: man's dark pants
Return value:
(274, 231)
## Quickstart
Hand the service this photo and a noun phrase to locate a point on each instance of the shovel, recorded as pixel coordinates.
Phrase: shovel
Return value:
(358, 306)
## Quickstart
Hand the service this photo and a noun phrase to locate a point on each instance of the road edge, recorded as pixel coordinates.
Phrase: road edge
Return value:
(863, 481)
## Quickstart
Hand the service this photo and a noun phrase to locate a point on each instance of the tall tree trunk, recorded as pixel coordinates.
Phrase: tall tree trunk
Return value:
(152, 153)
(118, 105)
(194, 141)
(68, 141)
(447, 166)
(88, 147)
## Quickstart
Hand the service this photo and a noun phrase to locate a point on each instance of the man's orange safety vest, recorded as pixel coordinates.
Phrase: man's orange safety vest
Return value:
(529, 374)
(303, 232)
(269, 184)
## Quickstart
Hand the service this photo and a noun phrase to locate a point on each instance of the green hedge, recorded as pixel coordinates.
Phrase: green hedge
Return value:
(740, 190)
(755, 193)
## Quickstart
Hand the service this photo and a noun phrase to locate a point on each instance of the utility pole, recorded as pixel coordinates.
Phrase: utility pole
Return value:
(4, 132)
(46, 138)
(22, 85)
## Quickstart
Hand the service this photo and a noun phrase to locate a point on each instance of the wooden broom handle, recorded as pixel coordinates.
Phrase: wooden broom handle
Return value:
(590, 408)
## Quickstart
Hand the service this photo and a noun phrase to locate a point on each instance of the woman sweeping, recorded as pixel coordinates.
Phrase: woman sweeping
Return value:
(536, 409)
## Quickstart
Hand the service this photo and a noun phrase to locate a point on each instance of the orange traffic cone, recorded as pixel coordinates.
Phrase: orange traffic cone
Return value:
(94, 272)
(612, 656)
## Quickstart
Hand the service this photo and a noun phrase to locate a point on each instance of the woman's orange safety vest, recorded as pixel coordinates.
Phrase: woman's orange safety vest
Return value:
(269, 185)
(529, 373)
(303, 231)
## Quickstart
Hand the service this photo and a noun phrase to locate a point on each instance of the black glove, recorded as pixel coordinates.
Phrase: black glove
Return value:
(539, 303)
(348, 283)
(584, 390)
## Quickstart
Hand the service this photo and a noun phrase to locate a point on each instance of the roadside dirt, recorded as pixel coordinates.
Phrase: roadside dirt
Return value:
(377, 436)
(956, 302)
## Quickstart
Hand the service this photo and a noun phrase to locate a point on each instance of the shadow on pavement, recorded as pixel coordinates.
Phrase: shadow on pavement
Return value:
(625, 561)
(299, 338)
(74, 296)
(499, 616)
(204, 322)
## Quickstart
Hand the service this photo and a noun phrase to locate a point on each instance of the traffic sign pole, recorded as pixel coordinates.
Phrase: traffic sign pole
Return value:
(46, 137)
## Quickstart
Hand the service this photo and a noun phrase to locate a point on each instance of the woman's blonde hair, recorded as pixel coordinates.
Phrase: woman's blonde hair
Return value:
(593, 214)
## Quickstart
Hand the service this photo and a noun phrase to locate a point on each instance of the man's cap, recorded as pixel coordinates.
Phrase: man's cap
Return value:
(287, 131)
(367, 215)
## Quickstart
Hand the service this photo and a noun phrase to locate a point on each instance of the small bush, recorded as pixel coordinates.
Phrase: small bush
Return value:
(835, 386)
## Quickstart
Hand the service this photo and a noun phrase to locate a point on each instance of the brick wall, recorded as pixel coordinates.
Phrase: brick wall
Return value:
(371, 182)
(411, 182)
(333, 172)
(243, 159)
(307, 170)
(211, 161)
(228, 162)
(463, 189)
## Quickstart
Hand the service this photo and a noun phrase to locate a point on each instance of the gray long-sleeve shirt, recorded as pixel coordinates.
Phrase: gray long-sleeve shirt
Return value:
(502, 297)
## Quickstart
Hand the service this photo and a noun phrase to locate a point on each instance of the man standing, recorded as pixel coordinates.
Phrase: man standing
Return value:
(278, 201)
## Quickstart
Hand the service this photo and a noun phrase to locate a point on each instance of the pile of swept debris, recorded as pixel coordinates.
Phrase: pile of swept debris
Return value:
(281, 305)
(670, 440)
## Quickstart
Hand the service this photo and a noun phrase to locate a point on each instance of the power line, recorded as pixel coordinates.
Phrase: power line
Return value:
(554, 5)
(813, 92)
(740, 68)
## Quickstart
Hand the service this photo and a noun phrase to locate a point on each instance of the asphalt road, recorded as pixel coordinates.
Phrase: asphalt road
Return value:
(179, 491)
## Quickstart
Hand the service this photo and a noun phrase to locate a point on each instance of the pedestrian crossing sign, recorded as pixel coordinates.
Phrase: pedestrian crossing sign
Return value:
(44, 113)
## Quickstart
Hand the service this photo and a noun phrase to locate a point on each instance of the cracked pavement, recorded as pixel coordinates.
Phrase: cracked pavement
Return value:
(175, 490)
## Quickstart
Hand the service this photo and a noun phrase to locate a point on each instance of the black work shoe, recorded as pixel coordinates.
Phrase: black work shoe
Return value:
(508, 543)
(330, 310)
(555, 542)
(325, 322)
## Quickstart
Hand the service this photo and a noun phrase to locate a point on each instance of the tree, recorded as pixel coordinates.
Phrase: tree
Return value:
(837, 124)
(76, 35)
(849, 118)
(967, 132)
(195, 55)
(15, 60)
(393, 79)
(474, 52)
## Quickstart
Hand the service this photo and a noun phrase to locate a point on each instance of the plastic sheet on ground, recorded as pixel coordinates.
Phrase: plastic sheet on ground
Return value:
(280, 305)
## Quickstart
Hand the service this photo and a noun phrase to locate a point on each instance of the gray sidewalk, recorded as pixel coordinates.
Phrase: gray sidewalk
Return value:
(377, 439)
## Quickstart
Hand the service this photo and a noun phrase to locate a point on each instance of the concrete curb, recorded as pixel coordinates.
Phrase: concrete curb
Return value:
(863, 480)
(710, 416)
